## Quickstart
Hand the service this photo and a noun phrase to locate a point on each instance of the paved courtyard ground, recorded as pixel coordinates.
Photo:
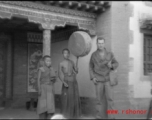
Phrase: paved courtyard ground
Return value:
(17, 114)
(10, 113)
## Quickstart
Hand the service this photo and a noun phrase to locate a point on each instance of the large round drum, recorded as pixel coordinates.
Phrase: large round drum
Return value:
(80, 43)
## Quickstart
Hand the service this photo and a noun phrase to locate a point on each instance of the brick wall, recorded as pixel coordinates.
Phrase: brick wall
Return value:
(120, 47)
(103, 27)
(121, 38)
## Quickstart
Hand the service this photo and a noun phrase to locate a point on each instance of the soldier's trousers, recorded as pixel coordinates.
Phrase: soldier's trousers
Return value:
(104, 94)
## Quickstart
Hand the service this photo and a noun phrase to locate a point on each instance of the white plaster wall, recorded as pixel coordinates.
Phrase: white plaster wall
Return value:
(141, 83)
(86, 87)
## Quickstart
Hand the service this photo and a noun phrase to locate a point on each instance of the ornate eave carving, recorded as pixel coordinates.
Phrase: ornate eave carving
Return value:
(87, 6)
(47, 19)
(145, 20)
(48, 8)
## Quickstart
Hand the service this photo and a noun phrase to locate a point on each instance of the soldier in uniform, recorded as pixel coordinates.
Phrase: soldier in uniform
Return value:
(101, 64)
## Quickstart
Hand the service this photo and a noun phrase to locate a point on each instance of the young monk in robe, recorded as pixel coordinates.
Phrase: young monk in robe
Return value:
(46, 78)
(71, 107)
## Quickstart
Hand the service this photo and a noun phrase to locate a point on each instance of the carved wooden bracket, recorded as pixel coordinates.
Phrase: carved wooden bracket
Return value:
(47, 19)
(4, 15)
(47, 23)
(90, 28)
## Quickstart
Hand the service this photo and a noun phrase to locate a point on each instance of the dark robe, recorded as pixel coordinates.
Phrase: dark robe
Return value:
(46, 101)
(71, 107)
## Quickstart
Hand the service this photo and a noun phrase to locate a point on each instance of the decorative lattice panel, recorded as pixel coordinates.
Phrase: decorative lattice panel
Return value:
(34, 37)
(55, 37)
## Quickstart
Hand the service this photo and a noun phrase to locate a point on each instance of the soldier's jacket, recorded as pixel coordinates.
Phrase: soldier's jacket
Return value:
(98, 65)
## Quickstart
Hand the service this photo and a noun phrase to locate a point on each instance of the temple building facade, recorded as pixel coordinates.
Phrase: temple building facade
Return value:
(30, 30)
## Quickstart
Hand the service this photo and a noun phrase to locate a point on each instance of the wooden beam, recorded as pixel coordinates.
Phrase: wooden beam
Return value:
(101, 2)
(93, 1)
(61, 2)
(79, 5)
(52, 2)
(91, 9)
(74, 5)
(38, 2)
(87, 6)
(83, 7)
(66, 4)
(98, 3)
(45, 2)
(107, 3)
(70, 3)
(84, 2)
(96, 8)
(20, 26)
(89, 2)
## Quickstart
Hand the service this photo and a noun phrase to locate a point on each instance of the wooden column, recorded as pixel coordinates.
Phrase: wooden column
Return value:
(47, 42)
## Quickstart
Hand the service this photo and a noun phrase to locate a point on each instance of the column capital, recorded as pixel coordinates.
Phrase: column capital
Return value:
(47, 26)
(50, 24)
